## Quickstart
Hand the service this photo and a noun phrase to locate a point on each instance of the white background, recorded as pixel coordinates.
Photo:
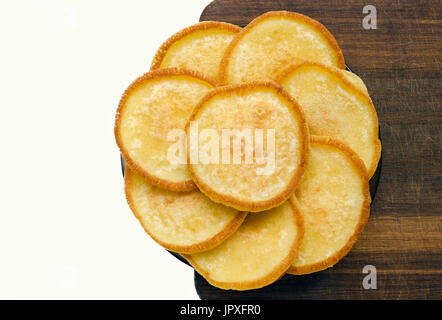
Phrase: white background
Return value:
(65, 228)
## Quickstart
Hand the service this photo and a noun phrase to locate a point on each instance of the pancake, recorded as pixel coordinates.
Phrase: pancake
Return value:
(257, 254)
(199, 47)
(335, 107)
(354, 79)
(274, 40)
(266, 178)
(182, 222)
(154, 105)
(334, 200)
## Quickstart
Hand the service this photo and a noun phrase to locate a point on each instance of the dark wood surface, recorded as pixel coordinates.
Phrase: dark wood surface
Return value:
(400, 63)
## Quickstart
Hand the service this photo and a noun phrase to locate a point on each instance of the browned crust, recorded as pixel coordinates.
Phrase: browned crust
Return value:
(339, 57)
(206, 25)
(304, 151)
(376, 142)
(156, 181)
(274, 275)
(365, 211)
(194, 248)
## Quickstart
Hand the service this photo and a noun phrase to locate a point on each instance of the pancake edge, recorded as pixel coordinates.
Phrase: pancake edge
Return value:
(363, 218)
(285, 73)
(277, 271)
(304, 151)
(201, 26)
(207, 244)
(339, 57)
(186, 185)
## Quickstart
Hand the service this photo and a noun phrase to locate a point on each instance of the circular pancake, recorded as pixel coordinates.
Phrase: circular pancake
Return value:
(184, 222)
(257, 254)
(335, 107)
(334, 200)
(150, 109)
(261, 108)
(274, 40)
(199, 47)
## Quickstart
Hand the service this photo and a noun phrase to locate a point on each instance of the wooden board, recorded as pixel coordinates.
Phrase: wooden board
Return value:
(400, 62)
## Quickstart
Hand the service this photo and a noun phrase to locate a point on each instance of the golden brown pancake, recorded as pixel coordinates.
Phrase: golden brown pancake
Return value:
(257, 254)
(150, 109)
(199, 47)
(185, 222)
(334, 201)
(255, 183)
(335, 107)
(354, 79)
(274, 40)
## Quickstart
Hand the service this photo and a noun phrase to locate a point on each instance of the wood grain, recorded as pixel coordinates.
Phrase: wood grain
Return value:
(400, 62)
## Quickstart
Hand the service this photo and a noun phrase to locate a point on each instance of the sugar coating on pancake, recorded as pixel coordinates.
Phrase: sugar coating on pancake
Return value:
(199, 47)
(155, 104)
(257, 254)
(270, 175)
(335, 107)
(334, 200)
(184, 222)
(274, 40)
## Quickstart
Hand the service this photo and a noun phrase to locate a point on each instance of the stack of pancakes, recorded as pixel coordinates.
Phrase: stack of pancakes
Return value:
(240, 226)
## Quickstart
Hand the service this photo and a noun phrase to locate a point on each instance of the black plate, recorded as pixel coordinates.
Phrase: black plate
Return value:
(374, 181)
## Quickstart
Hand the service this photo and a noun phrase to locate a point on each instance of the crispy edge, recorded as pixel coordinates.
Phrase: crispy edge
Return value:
(210, 243)
(304, 150)
(205, 25)
(365, 211)
(339, 57)
(154, 180)
(336, 72)
(275, 274)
